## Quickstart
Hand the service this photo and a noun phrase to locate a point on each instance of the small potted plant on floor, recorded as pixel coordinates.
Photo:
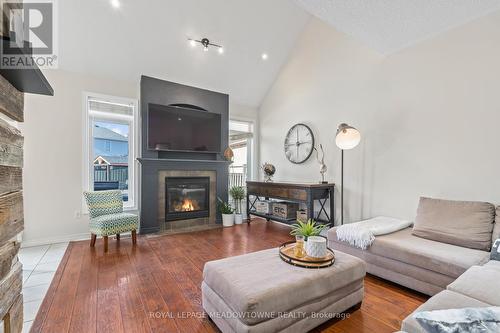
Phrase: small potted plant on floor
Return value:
(227, 213)
(238, 194)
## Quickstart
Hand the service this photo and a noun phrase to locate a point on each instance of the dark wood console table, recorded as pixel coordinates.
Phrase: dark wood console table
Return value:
(300, 193)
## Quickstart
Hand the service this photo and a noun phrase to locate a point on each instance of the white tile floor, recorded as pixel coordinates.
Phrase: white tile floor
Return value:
(39, 266)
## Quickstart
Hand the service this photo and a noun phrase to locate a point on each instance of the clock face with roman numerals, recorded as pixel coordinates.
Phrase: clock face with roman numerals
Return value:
(299, 143)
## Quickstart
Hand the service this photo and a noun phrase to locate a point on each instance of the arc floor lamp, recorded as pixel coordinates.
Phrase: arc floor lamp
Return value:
(347, 137)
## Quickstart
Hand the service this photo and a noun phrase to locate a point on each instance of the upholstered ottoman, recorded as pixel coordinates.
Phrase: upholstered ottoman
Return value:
(258, 292)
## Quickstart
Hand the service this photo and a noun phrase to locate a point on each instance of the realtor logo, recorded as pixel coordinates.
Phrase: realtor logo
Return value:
(30, 28)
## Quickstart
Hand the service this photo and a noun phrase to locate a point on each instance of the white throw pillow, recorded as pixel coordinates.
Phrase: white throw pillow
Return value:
(495, 250)
(467, 320)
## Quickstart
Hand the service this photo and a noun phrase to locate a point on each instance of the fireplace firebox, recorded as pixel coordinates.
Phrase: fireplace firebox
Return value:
(186, 198)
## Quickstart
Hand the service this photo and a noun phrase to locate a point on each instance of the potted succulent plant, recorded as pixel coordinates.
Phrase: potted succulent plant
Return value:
(238, 194)
(227, 213)
(307, 229)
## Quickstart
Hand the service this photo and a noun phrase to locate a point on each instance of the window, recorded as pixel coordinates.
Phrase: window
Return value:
(110, 145)
(241, 142)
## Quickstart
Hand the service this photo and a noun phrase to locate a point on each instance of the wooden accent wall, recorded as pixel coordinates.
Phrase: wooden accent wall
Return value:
(11, 208)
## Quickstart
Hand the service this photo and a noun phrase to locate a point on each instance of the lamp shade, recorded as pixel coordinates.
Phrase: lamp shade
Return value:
(347, 137)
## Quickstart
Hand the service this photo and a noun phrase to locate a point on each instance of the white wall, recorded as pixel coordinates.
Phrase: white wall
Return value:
(54, 159)
(429, 116)
(244, 112)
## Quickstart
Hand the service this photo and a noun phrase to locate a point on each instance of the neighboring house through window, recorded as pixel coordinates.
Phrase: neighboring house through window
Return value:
(110, 145)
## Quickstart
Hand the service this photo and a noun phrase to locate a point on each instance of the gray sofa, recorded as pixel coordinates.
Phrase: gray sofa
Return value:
(477, 287)
(417, 263)
(457, 276)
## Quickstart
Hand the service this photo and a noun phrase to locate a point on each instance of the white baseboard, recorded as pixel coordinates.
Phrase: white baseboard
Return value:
(54, 240)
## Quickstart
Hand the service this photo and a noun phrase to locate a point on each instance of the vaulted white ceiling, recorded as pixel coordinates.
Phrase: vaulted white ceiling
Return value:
(390, 25)
(149, 37)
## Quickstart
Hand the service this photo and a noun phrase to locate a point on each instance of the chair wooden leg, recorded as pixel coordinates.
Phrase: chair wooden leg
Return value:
(92, 240)
(117, 237)
(134, 237)
(105, 239)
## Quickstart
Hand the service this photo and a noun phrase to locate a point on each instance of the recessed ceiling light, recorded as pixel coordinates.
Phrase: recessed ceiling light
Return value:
(221, 50)
(115, 3)
(192, 42)
(264, 56)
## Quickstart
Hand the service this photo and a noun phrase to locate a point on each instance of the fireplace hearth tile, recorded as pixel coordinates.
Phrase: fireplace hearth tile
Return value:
(204, 227)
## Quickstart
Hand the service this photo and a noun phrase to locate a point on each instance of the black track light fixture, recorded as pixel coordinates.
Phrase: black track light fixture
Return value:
(205, 42)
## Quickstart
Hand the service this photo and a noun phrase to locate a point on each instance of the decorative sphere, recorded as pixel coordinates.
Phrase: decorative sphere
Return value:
(268, 169)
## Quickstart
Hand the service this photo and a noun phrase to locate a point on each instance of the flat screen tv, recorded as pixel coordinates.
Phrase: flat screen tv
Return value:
(173, 128)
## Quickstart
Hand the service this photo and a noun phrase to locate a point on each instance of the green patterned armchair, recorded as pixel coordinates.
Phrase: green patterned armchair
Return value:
(107, 216)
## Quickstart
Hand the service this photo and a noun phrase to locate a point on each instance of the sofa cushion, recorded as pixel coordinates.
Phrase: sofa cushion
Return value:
(397, 271)
(439, 257)
(113, 224)
(444, 300)
(463, 223)
(261, 282)
(493, 264)
(479, 282)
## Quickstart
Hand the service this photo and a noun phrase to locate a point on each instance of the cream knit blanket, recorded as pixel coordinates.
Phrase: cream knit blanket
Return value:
(362, 234)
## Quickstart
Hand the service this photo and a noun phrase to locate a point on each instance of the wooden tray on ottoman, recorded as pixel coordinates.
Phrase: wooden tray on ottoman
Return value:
(286, 251)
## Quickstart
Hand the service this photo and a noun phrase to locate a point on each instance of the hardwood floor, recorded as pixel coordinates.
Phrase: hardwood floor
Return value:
(155, 286)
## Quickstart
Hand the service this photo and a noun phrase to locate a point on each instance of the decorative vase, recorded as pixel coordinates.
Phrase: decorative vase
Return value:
(238, 218)
(316, 246)
(228, 154)
(227, 220)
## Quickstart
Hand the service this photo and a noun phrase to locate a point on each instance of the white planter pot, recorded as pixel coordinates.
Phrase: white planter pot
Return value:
(316, 246)
(227, 220)
(238, 218)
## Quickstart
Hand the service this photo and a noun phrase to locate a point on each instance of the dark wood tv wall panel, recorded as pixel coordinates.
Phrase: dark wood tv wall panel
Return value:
(11, 208)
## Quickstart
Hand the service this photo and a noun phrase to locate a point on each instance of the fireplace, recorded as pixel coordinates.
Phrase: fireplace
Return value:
(187, 198)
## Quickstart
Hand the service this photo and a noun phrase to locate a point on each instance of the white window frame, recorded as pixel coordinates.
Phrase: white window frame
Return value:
(88, 152)
(252, 162)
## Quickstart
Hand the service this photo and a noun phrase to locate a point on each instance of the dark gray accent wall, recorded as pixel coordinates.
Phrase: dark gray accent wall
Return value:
(150, 169)
(156, 91)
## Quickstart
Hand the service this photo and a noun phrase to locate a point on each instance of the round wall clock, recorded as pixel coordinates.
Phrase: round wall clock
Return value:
(299, 143)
